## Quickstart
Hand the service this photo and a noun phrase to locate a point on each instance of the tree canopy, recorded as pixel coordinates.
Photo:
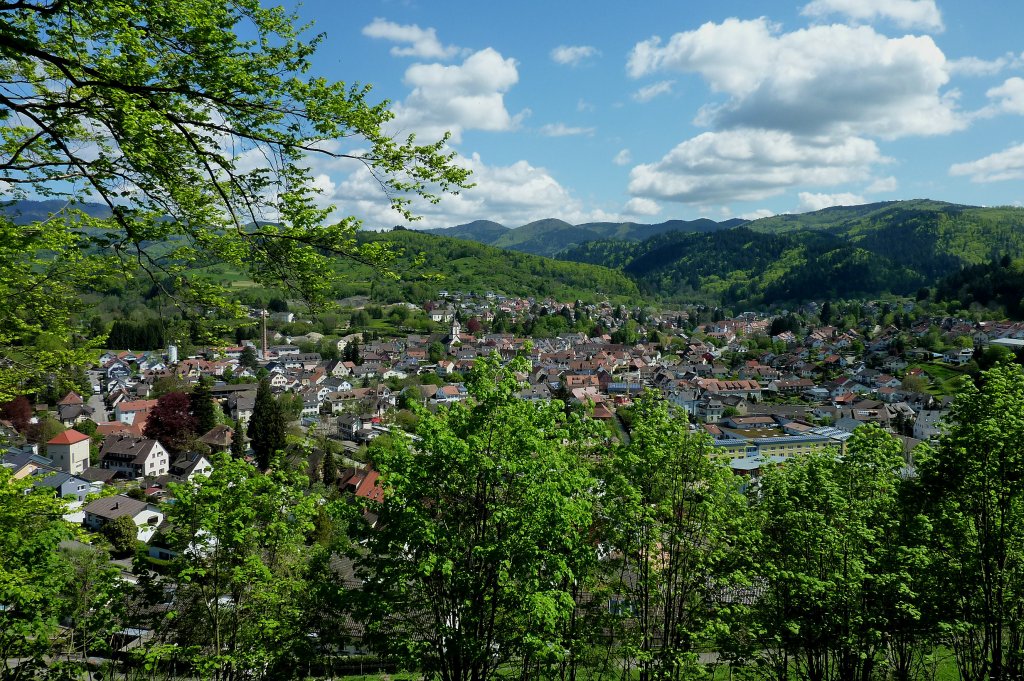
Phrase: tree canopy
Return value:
(194, 122)
(483, 526)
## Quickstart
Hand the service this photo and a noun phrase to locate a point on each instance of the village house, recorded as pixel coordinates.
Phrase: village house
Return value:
(132, 456)
(102, 511)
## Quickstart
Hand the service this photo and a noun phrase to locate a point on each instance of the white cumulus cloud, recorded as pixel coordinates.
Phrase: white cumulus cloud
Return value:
(812, 202)
(458, 97)
(417, 42)
(750, 164)
(1003, 165)
(1008, 97)
(623, 158)
(641, 206)
(918, 14)
(833, 79)
(573, 55)
(649, 92)
(512, 194)
(757, 214)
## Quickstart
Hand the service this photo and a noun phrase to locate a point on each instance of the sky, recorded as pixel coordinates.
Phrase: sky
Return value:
(658, 110)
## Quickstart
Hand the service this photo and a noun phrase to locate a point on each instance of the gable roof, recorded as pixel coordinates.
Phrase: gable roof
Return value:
(115, 507)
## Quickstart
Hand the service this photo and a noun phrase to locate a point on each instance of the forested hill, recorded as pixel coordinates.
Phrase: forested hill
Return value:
(430, 263)
(932, 237)
(550, 236)
(848, 251)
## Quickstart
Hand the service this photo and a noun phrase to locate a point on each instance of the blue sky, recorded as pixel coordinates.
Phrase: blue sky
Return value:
(667, 109)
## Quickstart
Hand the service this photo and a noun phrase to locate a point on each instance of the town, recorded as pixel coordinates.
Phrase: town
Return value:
(760, 396)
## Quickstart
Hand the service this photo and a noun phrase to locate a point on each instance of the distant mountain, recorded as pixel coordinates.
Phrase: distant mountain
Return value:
(548, 237)
(844, 251)
(27, 212)
(484, 231)
(543, 237)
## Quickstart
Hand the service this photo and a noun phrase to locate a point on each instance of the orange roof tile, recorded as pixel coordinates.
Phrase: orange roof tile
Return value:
(68, 437)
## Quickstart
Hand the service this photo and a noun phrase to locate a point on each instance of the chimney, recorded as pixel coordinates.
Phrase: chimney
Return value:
(264, 335)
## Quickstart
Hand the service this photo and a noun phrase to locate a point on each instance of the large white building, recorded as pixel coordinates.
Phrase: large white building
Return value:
(133, 456)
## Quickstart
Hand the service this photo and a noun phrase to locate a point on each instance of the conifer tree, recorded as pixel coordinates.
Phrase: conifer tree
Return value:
(266, 426)
(330, 466)
(203, 410)
(238, 441)
(248, 358)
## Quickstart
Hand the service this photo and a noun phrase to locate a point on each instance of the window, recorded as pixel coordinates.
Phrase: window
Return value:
(619, 606)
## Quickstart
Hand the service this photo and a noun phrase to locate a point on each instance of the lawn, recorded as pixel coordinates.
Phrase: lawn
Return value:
(945, 379)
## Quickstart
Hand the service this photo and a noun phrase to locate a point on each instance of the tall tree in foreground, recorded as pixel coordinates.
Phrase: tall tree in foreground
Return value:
(31, 573)
(266, 426)
(481, 529)
(240, 538)
(829, 558)
(671, 514)
(154, 110)
(974, 483)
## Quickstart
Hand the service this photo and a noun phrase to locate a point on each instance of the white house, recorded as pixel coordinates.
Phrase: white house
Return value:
(145, 516)
(133, 456)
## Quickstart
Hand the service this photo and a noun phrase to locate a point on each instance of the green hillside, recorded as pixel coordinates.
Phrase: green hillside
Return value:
(427, 264)
(430, 263)
(847, 252)
(930, 237)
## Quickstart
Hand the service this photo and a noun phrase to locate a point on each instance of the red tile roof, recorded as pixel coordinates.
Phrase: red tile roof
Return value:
(68, 437)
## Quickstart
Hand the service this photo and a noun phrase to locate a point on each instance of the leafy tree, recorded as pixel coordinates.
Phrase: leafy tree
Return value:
(44, 430)
(171, 422)
(161, 102)
(240, 537)
(31, 572)
(672, 514)
(203, 408)
(290, 405)
(122, 534)
(914, 384)
(626, 334)
(95, 599)
(169, 384)
(18, 411)
(482, 527)
(435, 352)
(829, 558)
(266, 426)
(973, 485)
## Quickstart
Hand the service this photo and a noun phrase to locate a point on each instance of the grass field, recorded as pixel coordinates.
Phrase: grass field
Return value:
(944, 379)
